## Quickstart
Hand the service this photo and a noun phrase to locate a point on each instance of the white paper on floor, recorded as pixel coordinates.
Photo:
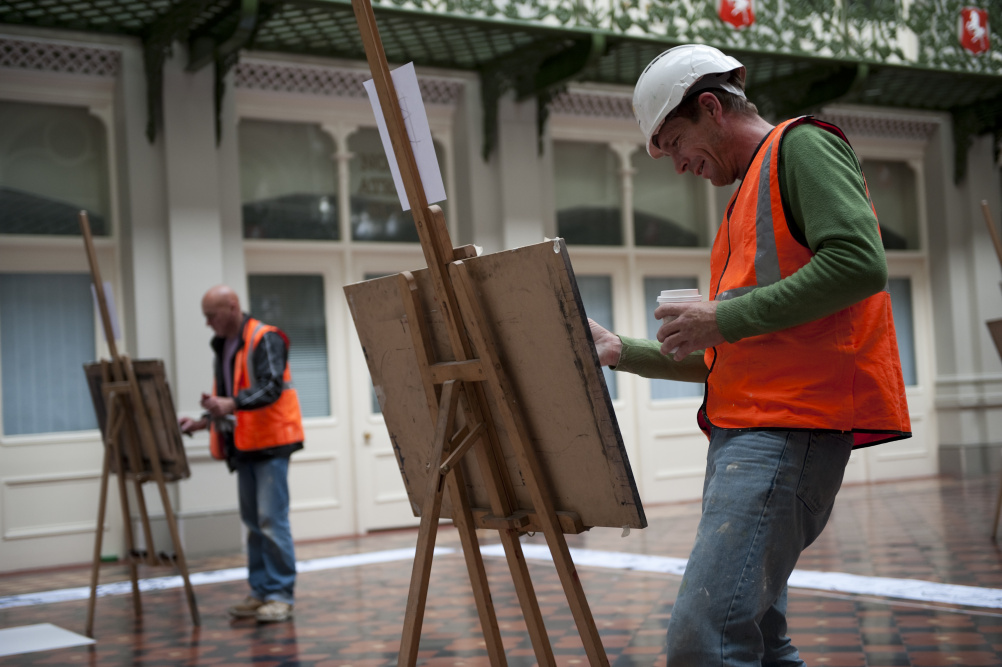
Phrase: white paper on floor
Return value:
(41, 637)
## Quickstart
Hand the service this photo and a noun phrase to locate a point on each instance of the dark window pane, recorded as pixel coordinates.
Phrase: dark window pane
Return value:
(587, 197)
(295, 304)
(53, 164)
(895, 198)
(669, 209)
(288, 181)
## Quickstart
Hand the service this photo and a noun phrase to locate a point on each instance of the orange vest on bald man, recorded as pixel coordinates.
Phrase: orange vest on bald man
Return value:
(274, 425)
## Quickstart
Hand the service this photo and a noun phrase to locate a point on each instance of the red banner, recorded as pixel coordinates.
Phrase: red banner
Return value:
(973, 27)
(739, 13)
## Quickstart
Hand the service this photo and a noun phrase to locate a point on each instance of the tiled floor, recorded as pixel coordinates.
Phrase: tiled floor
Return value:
(935, 530)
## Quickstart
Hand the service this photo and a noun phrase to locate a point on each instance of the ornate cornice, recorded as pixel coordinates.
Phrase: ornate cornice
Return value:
(330, 81)
(592, 105)
(42, 56)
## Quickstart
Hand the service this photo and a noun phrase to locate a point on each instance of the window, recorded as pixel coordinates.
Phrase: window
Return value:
(904, 326)
(668, 209)
(46, 336)
(376, 214)
(295, 304)
(288, 181)
(894, 196)
(661, 389)
(588, 201)
(596, 295)
(53, 163)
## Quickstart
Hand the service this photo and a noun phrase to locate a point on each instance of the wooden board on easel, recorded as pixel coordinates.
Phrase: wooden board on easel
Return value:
(537, 319)
(152, 378)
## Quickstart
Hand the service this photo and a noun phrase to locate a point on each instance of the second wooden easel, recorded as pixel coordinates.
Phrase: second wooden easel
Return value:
(470, 399)
(130, 451)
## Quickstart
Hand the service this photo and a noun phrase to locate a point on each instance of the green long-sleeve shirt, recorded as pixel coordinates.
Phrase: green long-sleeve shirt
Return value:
(824, 196)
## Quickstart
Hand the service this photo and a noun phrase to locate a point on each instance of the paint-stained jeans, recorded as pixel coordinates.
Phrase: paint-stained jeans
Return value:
(767, 495)
(264, 507)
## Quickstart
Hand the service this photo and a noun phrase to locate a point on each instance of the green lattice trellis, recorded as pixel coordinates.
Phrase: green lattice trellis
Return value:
(800, 53)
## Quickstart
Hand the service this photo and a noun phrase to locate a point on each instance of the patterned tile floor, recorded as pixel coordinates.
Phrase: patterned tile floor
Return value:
(935, 530)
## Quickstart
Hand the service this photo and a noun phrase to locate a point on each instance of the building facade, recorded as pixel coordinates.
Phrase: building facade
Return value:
(275, 182)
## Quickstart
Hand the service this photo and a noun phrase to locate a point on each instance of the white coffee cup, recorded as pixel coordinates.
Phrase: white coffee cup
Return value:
(677, 296)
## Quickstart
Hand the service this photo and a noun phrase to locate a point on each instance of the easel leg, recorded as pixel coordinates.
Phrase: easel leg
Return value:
(497, 384)
(182, 564)
(527, 598)
(130, 542)
(417, 596)
(462, 517)
(576, 599)
(98, 540)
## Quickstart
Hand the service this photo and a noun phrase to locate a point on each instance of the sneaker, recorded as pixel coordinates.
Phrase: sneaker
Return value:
(246, 609)
(274, 611)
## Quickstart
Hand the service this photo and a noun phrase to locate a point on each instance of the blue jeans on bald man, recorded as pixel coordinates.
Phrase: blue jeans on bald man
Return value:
(264, 508)
(767, 495)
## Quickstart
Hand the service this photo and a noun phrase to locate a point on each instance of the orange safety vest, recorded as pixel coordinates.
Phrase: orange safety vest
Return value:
(839, 373)
(274, 425)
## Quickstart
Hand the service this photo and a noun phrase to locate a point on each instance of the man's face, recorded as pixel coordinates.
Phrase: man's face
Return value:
(701, 148)
(222, 315)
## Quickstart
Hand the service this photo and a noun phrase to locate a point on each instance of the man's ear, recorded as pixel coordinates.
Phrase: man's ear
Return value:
(710, 105)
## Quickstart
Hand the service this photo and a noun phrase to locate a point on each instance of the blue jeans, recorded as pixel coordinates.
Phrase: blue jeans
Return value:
(766, 496)
(264, 507)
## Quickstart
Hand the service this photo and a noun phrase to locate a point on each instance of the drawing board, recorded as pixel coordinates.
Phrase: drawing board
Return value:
(534, 310)
(159, 405)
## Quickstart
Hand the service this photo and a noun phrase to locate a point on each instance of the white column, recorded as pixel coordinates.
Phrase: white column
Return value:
(521, 172)
(477, 198)
(231, 213)
(194, 220)
(143, 222)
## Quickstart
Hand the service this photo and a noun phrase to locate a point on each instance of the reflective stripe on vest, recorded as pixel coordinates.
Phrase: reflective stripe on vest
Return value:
(839, 373)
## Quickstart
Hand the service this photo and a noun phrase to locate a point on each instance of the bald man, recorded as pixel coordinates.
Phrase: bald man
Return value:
(255, 425)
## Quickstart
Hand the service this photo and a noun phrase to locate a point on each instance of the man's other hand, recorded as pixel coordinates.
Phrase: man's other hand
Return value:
(218, 406)
(607, 344)
(694, 328)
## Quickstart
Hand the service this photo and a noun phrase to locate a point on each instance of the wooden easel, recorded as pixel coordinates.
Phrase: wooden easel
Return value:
(130, 450)
(471, 402)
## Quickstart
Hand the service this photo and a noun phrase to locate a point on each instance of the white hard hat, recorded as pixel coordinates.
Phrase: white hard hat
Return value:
(674, 74)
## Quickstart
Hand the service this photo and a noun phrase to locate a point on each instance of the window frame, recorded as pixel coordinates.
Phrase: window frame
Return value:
(31, 253)
(624, 140)
(339, 119)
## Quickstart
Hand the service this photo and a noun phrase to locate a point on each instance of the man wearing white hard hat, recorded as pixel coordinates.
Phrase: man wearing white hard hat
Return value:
(796, 347)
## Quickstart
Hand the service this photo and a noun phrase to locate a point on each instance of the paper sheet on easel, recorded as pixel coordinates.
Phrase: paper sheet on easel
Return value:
(416, 120)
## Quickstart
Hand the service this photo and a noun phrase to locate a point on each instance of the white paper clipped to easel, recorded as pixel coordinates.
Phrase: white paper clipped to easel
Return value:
(416, 120)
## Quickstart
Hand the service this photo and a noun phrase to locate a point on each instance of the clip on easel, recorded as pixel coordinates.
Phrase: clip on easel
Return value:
(469, 407)
(141, 441)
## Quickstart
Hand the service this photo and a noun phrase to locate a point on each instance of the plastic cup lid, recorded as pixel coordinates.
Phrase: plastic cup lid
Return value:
(682, 299)
(676, 293)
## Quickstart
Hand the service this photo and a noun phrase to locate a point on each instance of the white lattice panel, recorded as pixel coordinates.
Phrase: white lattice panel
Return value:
(593, 105)
(879, 125)
(64, 58)
(330, 81)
